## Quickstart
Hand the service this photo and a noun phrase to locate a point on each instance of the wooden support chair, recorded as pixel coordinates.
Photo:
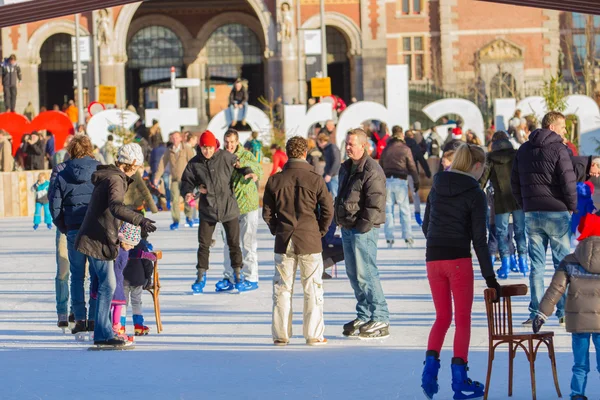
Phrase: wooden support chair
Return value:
(155, 291)
(500, 329)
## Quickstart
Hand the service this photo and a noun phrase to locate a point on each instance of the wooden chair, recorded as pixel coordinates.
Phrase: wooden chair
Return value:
(155, 291)
(500, 329)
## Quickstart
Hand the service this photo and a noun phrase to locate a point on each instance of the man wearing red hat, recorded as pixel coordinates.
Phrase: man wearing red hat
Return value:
(211, 172)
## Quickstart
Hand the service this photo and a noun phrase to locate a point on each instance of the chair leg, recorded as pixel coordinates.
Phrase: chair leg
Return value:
(531, 358)
(489, 371)
(511, 358)
(552, 355)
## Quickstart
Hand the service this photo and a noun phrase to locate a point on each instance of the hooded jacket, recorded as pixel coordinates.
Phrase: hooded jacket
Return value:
(98, 234)
(542, 177)
(498, 169)
(72, 192)
(455, 216)
(581, 272)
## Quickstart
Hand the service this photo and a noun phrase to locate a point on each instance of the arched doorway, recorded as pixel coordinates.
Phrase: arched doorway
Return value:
(233, 51)
(338, 63)
(56, 71)
(503, 85)
(151, 53)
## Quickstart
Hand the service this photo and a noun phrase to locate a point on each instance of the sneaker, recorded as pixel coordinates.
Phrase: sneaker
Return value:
(316, 342)
(352, 328)
(529, 322)
(410, 243)
(278, 342)
(561, 321)
(390, 243)
(374, 330)
(174, 226)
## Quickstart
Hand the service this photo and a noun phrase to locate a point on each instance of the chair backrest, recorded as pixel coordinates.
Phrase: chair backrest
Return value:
(499, 314)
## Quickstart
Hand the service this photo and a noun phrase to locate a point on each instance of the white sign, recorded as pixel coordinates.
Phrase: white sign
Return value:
(100, 123)
(256, 118)
(169, 115)
(312, 42)
(187, 82)
(85, 53)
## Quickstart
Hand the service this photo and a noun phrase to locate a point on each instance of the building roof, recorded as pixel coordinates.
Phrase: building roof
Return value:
(582, 6)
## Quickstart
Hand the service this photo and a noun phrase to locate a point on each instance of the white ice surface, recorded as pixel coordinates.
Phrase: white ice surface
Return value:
(219, 346)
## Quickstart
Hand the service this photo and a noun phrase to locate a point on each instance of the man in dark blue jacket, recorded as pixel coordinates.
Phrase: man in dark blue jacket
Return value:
(332, 156)
(71, 194)
(544, 185)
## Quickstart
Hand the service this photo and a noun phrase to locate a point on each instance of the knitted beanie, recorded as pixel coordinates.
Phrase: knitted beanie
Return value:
(130, 234)
(131, 153)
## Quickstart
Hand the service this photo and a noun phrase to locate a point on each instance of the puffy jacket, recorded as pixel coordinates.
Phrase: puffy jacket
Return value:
(72, 193)
(139, 267)
(219, 204)
(455, 216)
(360, 203)
(418, 156)
(542, 177)
(98, 234)
(397, 161)
(317, 160)
(332, 156)
(498, 169)
(581, 272)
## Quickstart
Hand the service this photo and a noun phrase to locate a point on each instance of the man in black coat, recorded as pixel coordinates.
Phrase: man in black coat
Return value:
(210, 172)
(419, 158)
(332, 156)
(11, 80)
(544, 185)
(34, 148)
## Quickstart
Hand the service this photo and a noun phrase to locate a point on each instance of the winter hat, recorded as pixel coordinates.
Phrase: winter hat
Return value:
(457, 133)
(589, 226)
(131, 154)
(208, 139)
(130, 234)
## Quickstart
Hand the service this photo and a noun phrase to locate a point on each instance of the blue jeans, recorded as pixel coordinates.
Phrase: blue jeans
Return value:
(360, 252)
(37, 217)
(503, 235)
(61, 282)
(397, 193)
(167, 181)
(581, 360)
(77, 261)
(107, 282)
(333, 185)
(241, 113)
(543, 228)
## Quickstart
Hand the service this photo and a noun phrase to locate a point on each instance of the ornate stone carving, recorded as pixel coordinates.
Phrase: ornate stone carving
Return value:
(104, 28)
(500, 50)
(286, 22)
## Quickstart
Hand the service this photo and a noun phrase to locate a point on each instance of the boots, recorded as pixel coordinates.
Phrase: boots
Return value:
(198, 286)
(523, 267)
(429, 379)
(513, 264)
(503, 271)
(418, 218)
(463, 387)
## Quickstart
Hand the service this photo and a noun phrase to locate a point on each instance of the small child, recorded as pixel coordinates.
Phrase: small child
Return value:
(137, 278)
(585, 204)
(579, 275)
(41, 201)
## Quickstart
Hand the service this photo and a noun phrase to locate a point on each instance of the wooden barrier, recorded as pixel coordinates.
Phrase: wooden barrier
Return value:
(16, 197)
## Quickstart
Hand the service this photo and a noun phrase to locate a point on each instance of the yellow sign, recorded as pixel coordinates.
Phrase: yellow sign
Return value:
(107, 94)
(320, 87)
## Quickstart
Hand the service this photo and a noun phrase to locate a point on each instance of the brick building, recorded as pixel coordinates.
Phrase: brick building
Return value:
(458, 45)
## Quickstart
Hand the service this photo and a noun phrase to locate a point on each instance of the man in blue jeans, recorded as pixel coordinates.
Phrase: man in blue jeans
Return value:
(360, 211)
(544, 184)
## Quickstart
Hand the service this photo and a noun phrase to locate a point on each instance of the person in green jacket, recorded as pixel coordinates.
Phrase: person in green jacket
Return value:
(246, 194)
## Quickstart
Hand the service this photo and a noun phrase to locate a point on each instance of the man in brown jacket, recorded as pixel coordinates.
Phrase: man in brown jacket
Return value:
(298, 209)
(579, 271)
(398, 164)
(7, 162)
(177, 158)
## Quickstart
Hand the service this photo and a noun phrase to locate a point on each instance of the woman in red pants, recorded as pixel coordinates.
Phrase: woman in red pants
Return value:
(455, 216)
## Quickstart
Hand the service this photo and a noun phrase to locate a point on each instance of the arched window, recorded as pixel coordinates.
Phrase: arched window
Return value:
(56, 54)
(55, 73)
(337, 47)
(503, 85)
(338, 63)
(230, 47)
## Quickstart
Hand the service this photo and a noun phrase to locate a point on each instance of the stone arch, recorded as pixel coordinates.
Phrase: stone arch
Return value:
(344, 24)
(34, 45)
(267, 32)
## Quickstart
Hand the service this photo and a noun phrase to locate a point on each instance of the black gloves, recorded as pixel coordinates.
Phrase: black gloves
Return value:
(149, 284)
(537, 323)
(148, 225)
(492, 283)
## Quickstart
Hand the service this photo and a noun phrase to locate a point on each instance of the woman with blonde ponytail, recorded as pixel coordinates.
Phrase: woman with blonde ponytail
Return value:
(455, 217)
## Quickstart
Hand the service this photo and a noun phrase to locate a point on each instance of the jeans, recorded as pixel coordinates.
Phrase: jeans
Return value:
(249, 246)
(543, 228)
(416, 198)
(37, 217)
(503, 236)
(581, 360)
(205, 235)
(61, 282)
(360, 253)
(167, 183)
(107, 282)
(397, 193)
(333, 186)
(10, 98)
(241, 115)
(77, 263)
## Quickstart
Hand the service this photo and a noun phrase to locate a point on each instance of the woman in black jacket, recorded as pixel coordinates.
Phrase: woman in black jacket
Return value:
(455, 216)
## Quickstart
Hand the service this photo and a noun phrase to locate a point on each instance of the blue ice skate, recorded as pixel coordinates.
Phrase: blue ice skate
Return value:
(224, 285)
(198, 286)
(463, 387)
(418, 219)
(429, 379)
(523, 267)
(504, 268)
(246, 286)
(189, 222)
(513, 264)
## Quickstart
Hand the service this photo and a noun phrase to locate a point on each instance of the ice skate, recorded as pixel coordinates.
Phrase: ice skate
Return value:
(463, 387)
(189, 222)
(224, 285)
(141, 330)
(504, 268)
(198, 286)
(390, 244)
(72, 321)
(418, 219)
(63, 323)
(112, 344)
(410, 243)
(374, 330)
(429, 379)
(174, 226)
(246, 286)
(352, 328)
(523, 267)
(513, 264)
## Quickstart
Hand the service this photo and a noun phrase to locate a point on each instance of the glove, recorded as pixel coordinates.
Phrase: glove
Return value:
(149, 284)
(538, 321)
(148, 225)
(416, 186)
(492, 283)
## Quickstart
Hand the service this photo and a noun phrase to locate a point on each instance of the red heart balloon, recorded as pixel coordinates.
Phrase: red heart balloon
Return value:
(56, 122)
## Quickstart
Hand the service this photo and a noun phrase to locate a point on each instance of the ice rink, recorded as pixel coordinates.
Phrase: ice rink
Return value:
(219, 346)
